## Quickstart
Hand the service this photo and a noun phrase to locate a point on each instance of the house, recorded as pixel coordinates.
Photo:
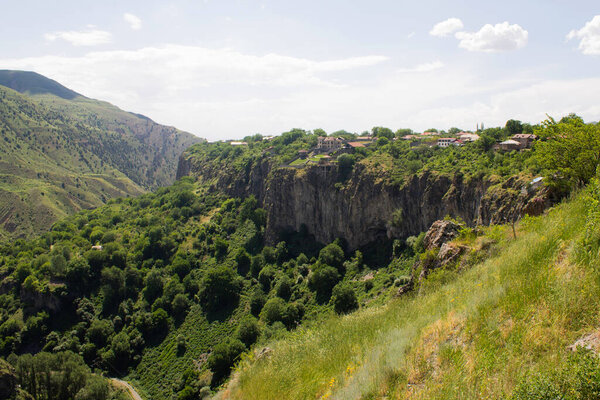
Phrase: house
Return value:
(467, 137)
(328, 144)
(238, 143)
(509, 145)
(524, 139)
(364, 139)
(355, 145)
(445, 142)
(410, 137)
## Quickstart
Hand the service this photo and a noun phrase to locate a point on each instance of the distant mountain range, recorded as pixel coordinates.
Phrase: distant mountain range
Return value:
(61, 152)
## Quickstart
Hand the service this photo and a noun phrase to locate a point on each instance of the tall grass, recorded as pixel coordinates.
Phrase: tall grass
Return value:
(473, 337)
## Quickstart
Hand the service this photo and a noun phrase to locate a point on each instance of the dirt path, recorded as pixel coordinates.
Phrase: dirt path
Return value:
(128, 388)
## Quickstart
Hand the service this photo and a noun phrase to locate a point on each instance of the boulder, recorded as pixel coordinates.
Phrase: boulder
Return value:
(440, 232)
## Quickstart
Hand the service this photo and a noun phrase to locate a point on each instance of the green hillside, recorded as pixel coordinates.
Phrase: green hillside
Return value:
(173, 290)
(61, 152)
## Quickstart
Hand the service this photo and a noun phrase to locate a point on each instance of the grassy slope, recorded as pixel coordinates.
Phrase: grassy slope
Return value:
(473, 337)
(44, 174)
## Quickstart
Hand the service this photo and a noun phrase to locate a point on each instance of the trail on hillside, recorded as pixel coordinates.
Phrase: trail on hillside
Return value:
(128, 388)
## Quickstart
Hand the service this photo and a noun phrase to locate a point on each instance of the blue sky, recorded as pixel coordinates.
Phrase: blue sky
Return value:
(227, 69)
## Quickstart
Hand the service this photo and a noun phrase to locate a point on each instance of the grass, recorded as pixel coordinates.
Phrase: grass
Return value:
(474, 337)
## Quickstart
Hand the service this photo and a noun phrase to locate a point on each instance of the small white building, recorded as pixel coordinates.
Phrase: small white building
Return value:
(445, 142)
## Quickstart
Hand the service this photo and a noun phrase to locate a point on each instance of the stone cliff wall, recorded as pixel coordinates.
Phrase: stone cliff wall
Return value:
(361, 208)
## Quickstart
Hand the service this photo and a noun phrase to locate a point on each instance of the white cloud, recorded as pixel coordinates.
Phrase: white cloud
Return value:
(90, 37)
(589, 36)
(223, 93)
(494, 38)
(425, 67)
(446, 27)
(134, 22)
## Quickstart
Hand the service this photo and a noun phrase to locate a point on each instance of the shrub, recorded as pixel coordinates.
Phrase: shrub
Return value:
(273, 310)
(322, 280)
(248, 331)
(332, 255)
(220, 288)
(344, 299)
(222, 358)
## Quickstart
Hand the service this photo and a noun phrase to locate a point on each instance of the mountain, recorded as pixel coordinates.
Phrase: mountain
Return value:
(61, 152)
(32, 83)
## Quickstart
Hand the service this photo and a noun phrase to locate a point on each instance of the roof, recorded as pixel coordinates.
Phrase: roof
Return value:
(510, 141)
(356, 144)
(525, 136)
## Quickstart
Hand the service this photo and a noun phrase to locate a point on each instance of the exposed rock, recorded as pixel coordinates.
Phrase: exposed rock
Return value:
(449, 254)
(589, 342)
(360, 209)
(439, 233)
(264, 352)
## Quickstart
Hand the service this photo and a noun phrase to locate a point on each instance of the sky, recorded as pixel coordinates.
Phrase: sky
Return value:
(228, 69)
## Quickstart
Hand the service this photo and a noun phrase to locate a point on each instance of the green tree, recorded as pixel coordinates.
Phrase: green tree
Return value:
(322, 280)
(570, 151)
(513, 127)
(219, 288)
(343, 298)
(332, 255)
(222, 358)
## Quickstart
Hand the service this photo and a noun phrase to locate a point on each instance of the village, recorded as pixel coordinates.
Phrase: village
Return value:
(329, 148)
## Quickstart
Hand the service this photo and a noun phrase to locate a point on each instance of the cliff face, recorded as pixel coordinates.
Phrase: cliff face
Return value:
(367, 207)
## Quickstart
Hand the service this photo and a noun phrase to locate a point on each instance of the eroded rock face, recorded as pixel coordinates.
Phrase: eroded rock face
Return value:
(361, 209)
(439, 233)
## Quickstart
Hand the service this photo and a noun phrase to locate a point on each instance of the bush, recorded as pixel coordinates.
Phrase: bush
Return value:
(222, 358)
(273, 310)
(257, 302)
(322, 280)
(248, 331)
(332, 255)
(344, 299)
(220, 288)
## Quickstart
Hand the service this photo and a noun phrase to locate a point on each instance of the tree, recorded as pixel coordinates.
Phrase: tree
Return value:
(332, 255)
(222, 358)
(571, 151)
(380, 131)
(344, 299)
(248, 331)
(513, 127)
(219, 289)
(274, 310)
(322, 280)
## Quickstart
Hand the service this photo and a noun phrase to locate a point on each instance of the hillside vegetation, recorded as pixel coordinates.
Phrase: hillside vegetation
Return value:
(172, 289)
(61, 152)
(503, 324)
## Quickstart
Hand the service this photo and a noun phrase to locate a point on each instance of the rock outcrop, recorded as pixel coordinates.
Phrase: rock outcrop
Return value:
(367, 205)
(439, 233)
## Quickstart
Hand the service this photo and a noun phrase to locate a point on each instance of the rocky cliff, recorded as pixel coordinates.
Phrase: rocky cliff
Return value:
(367, 206)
